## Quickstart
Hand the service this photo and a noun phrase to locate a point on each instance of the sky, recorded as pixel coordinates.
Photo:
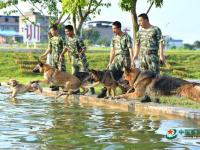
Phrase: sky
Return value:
(178, 18)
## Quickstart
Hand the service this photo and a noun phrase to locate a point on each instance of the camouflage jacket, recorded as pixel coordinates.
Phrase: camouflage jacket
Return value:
(149, 39)
(75, 46)
(121, 44)
(56, 45)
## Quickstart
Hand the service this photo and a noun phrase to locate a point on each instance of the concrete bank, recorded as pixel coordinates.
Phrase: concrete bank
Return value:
(134, 106)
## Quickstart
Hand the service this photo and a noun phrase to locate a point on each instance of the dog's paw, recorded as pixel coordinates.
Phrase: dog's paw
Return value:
(116, 97)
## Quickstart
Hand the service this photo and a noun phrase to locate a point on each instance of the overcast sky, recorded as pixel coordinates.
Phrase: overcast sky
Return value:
(178, 18)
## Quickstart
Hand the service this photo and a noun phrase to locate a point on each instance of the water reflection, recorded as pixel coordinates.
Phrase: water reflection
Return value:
(37, 122)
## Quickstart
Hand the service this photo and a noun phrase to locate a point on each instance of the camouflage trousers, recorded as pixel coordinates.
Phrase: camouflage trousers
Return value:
(150, 62)
(79, 64)
(120, 62)
(55, 63)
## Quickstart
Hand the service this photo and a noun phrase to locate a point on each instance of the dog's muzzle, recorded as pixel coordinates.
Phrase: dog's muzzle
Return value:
(36, 70)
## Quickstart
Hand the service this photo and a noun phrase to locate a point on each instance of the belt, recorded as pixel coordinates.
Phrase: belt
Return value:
(151, 52)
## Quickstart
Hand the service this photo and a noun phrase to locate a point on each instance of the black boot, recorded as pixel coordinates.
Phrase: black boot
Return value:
(102, 94)
(145, 99)
(54, 88)
(91, 91)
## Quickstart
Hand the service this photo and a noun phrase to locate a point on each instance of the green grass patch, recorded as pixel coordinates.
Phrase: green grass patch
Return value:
(182, 64)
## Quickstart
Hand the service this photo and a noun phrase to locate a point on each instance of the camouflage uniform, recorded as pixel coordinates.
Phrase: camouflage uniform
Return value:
(56, 47)
(121, 45)
(149, 40)
(79, 60)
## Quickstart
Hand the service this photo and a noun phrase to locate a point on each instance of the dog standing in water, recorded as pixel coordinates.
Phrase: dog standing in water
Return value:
(18, 88)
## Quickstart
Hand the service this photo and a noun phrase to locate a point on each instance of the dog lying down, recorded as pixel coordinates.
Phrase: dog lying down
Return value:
(148, 83)
(18, 88)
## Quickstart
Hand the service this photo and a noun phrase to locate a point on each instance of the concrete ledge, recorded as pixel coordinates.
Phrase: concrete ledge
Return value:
(134, 106)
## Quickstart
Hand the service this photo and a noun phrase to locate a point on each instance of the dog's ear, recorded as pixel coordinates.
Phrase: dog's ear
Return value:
(93, 71)
(127, 69)
(41, 63)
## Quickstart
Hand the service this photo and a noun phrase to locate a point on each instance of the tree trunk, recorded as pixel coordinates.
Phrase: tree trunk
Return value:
(74, 23)
(134, 20)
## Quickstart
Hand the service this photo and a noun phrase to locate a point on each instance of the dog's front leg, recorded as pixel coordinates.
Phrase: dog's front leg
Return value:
(113, 90)
(130, 89)
(129, 96)
(14, 93)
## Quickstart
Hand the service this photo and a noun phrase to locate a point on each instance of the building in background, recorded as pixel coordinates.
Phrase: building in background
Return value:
(32, 31)
(9, 29)
(103, 27)
(171, 43)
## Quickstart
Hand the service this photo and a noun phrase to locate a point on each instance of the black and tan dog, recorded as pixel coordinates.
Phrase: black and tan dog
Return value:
(107, 79)
(69, 82)
(148, 83)
(18, 88)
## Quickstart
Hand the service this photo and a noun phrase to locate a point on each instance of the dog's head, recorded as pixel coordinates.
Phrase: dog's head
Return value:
(39, 67)
(94, 75)
(12, 82)
(130, 73)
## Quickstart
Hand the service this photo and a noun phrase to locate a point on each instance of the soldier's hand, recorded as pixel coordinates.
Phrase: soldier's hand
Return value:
(108, 66)
(133, 65)
(60, 58)
(42, 57)
(162, 59)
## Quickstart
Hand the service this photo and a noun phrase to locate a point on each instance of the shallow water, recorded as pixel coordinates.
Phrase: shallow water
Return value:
(36, 122)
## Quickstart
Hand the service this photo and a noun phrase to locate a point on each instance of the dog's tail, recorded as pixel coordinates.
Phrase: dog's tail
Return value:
(191, 91)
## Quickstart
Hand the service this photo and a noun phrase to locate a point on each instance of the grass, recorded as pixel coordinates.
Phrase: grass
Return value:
(183, 64)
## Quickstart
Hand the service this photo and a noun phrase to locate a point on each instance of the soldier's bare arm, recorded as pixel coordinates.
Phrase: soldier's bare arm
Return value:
(112, 56)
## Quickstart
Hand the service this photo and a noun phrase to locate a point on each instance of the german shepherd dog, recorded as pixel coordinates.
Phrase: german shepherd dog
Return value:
(70, 83)
(106, 78)
(111, 79)
(151, 84)
(18, 88)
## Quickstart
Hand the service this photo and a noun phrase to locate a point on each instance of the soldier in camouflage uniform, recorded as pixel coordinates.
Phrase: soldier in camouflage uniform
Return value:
(121, 49)
(149, 46)
(148, 42)
(121, 54)
(76, 49)
(55, 48)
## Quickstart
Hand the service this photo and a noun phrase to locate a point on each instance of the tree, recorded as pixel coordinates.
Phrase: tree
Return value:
(130, 6)
(197, 44)
(91, 34)
(81, 9)
(188, 46)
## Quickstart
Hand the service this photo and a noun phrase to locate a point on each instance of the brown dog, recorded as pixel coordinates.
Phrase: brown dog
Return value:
(69, 82)
(148, 83)
(106, 78)
(18, 88)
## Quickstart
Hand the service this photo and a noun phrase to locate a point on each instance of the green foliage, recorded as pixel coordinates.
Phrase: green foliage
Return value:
(103, 42)
(197, 44)
(127, 5)
(188, 46)
(157, 3)
(90, 34)
(70, 6)
(50, 5)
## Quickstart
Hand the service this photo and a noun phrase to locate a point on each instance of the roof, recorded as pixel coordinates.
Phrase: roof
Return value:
(8, 33)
